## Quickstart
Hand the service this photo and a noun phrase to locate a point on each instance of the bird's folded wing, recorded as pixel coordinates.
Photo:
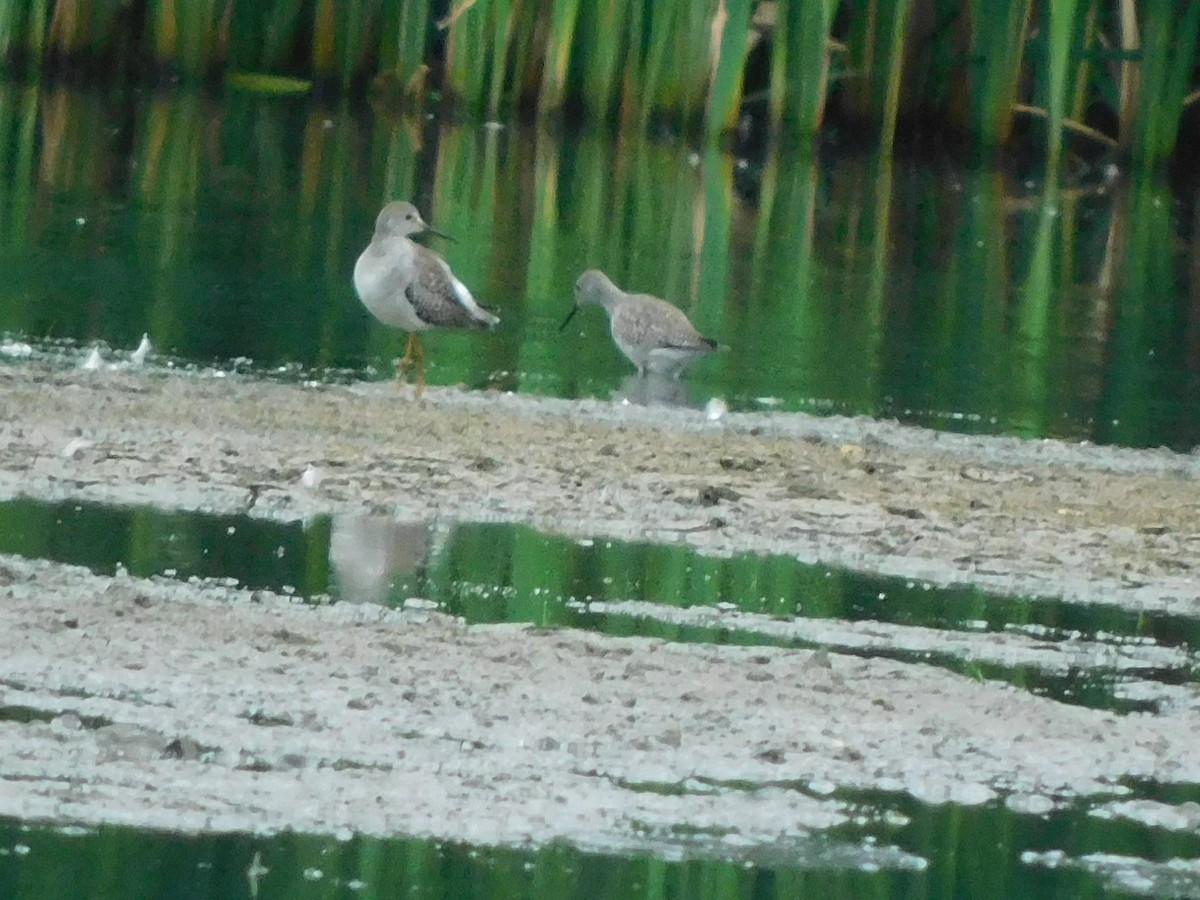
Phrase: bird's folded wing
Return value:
(441, 299)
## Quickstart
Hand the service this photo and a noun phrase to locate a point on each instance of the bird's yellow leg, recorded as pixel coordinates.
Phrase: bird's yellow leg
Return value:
(412, 352)
(420, 360)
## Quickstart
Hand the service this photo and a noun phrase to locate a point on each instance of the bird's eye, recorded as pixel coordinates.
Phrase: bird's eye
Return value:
(408, 216)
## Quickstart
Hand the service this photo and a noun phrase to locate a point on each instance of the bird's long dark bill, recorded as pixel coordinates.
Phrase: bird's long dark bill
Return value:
(429, 228)
(567, 320)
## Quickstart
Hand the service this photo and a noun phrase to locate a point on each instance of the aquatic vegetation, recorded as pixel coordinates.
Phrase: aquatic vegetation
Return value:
(1064, 70)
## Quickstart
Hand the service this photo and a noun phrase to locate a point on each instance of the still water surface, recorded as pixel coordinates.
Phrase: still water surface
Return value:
(1105, 656)
(895, 844)
(42, 862)
(897, 847)
(837, 282)
(226, 229)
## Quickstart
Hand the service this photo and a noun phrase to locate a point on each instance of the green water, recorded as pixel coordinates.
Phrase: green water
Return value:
(897, 848)
(894, 845)
(227, 228)
(511, 573)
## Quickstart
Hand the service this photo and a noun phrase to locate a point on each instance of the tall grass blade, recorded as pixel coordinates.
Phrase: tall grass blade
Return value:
(998, 39)
(800, 65)
(605, 30)
(1035, 311)
(699, 47)
(564, 14)
(713, 238)
(878, 40)
(19, 141)
(1130, 78)
(1146, 295)
(1165, 81)
(632, 78)
(504, 13)
(663, 19)
(685, 76)
(730, 32)
(11, 21)
(356, 40)
(282, 25)
(324, 47)
(526, 61)
(36, 33)
(1085, 37)
(191, 38)
(66, 28)
(893, 73)
(1061, 33)
(404, 31)
(166, 32)
(468, 45)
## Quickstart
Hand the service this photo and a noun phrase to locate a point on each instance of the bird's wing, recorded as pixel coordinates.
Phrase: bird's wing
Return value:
(441, 299)
(663, 323)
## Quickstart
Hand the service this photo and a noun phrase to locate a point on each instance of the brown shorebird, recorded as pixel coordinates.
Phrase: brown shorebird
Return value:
(409, 286)
(656, 336)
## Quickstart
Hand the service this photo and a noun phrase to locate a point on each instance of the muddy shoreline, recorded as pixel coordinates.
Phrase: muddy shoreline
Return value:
(205, 707)
(1083, 522)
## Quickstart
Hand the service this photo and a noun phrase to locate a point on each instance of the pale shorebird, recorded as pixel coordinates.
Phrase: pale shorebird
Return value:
(409, 286)
(656, 336)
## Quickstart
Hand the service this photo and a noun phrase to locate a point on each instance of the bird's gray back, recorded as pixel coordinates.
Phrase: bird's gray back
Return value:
(650, 322)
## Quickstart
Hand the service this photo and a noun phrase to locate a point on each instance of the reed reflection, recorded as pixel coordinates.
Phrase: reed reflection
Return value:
(961, 299)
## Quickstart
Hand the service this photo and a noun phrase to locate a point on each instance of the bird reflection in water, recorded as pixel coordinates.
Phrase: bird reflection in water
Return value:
(377, 559)
(651, 389)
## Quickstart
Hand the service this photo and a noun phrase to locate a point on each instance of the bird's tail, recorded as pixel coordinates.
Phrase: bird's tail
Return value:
(485, 317)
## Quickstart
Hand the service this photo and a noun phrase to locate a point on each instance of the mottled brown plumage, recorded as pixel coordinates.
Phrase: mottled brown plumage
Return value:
(654, 335)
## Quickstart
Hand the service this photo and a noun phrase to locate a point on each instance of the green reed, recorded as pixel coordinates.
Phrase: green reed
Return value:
(404, 30)
(503, 27)
(1062, 16)
(800, 65)
(877, 43)
(19, 141)
(11, 17)
(974, 66)
(556, 57)
(468, 53)
(676, 63)
(1144, 301)
(1167, 66)
(341, 38)
(770, 278)
(730, 34)
(998, 42)
(606, 39)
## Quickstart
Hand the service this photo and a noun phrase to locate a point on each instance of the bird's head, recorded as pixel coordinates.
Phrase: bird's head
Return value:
(400, 218)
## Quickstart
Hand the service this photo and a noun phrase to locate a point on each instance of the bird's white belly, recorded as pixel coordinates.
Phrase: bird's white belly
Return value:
(669, 361)
(381, 289)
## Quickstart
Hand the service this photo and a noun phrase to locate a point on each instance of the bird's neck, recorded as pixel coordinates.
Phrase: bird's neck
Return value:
(384, 244)
(610, 301)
